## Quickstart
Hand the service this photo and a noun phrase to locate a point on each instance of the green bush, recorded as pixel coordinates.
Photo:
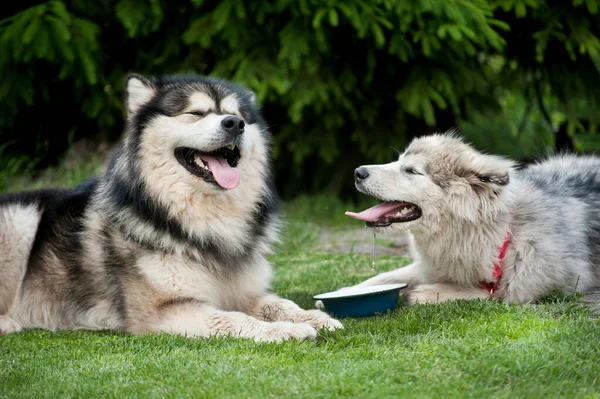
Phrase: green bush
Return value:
(341, 82)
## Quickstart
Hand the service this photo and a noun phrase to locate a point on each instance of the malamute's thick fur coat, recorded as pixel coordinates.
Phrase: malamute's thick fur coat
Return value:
(172, 237)
(461, 205)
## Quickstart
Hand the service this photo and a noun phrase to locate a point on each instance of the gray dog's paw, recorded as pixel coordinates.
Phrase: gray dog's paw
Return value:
(8, 325)
(319, 304)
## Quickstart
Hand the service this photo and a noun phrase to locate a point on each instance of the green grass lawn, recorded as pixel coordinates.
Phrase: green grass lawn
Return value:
(460, 349)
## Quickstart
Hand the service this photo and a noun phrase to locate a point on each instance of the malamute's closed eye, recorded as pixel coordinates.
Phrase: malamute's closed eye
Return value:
(172, 237)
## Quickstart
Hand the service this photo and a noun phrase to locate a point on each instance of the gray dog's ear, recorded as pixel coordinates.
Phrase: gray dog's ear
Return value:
(139, 91)
(500, 179)
(489, 172)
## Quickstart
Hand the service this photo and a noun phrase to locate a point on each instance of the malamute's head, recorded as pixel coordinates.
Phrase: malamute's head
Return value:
(194, 166)
(206, 131)
(437, 179)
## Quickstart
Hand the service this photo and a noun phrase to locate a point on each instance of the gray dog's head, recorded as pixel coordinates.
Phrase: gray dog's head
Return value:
(437, 178)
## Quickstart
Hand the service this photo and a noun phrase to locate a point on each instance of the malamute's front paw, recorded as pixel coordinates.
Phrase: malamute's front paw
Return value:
(320, 320)
(283, 330)
(8, 325)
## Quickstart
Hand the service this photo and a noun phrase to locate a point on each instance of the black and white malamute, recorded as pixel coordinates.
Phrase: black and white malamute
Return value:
(172, 237)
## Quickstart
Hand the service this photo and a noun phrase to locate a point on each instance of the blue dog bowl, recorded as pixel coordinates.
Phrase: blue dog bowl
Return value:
(361, 301)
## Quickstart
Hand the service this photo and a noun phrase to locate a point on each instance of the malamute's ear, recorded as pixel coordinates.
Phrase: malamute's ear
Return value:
(251, 97)
(489, 172)
(139, 91)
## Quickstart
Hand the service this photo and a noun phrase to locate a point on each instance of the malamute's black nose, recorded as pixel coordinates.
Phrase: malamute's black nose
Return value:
(360, 174)
(233, 125)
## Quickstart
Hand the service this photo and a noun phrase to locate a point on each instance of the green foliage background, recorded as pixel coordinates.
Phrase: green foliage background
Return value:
(341, 81)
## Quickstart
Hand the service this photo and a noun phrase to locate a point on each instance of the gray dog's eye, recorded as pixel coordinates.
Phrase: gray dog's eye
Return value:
(411, 171)
(197, 113)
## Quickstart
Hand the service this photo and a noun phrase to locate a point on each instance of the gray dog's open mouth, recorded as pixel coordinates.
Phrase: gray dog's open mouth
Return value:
(386, 213)
(217, 167)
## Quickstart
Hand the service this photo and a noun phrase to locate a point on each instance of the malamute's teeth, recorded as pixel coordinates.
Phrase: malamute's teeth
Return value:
(398, 214)
(231, 146)
(404, 211)
(198, 161)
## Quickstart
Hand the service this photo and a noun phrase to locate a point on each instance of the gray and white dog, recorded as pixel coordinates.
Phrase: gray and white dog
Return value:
(172, 237)
(480, 227)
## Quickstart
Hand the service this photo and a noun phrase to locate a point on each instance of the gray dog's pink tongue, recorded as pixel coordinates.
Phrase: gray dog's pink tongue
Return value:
(226, 176)
(377, 211)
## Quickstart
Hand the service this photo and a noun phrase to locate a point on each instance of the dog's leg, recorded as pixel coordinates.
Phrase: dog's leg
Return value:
(410, 275)
(199, 320)
(434, 293)
(8, 325)
(18, 225)
(274, 308)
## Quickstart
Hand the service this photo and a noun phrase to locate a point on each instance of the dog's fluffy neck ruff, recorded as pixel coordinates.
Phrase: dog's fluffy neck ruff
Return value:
(469, 249)
(146, 221)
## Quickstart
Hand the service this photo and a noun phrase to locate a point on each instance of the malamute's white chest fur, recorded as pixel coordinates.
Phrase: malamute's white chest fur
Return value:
(173, 275)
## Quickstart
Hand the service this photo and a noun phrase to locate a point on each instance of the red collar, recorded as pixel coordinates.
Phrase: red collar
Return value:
(492, 286)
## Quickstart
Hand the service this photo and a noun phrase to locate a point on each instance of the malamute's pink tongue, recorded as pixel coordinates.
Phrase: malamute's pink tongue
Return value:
(226, 176)
(375, 212)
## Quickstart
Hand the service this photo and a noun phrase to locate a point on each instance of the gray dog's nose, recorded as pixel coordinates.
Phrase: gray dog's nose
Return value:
(233, 124)
(360, 174)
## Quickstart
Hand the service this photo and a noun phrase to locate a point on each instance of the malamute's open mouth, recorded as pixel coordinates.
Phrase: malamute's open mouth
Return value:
(386, 213)
(217, 167)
